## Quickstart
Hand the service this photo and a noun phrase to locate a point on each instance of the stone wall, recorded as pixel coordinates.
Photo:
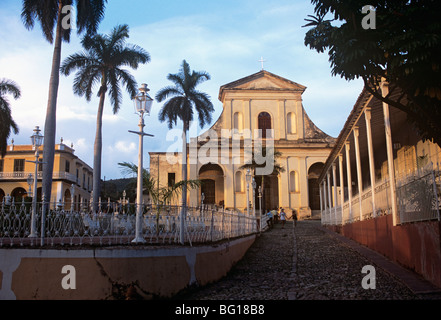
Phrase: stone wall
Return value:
(416, 246)
(114, 272)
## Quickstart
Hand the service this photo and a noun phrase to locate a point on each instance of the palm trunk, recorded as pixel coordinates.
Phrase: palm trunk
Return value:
(51, 116)
(97, 151)
(184, 178)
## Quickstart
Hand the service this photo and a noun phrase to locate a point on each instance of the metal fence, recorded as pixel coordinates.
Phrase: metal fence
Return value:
(418, 196)
(418, 199)
(115, 224)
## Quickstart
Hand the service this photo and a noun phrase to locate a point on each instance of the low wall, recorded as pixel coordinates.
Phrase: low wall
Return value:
(114, 272)
(416, 246)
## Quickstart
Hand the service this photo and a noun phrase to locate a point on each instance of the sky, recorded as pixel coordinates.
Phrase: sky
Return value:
(225, 38)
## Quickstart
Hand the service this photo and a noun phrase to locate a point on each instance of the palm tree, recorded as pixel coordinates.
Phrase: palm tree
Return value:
(183, 98)
(101, 63)
(270, 156)
(148, 182)
(6, 122)
(53, 14)
(160, 196)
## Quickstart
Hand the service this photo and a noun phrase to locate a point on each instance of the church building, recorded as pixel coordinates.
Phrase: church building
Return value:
(262, 115)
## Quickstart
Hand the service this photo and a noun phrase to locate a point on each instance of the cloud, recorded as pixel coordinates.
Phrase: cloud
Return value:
(226, 39)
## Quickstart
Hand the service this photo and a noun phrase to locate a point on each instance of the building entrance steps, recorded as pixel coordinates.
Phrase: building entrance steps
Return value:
(310, 262)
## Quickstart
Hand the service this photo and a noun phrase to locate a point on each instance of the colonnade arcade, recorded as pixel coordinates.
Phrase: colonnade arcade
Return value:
(358, 180)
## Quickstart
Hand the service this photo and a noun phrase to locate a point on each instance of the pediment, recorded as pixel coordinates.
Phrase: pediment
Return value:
(263, 80)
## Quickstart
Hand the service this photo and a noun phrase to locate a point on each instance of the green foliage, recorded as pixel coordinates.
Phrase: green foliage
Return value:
(103, 63)
(7, 124)
(184, 97)
(49, 12)
(160, 195)
(404, 49)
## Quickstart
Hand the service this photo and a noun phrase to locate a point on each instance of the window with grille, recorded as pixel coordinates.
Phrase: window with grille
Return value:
(19, 165)
(264, 124)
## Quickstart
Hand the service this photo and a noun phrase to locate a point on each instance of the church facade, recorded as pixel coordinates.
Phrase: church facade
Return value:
(263, 122)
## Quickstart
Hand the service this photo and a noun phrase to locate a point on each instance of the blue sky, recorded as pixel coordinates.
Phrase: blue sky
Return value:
(226, 38)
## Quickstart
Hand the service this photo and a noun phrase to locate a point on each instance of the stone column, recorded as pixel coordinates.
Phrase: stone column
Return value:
(349, 176)
(367, 116)
(342, 189)
(390, 155)
(358, 162)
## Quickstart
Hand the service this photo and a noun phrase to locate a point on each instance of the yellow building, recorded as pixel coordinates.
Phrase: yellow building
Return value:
(70, 174)
(260, 109)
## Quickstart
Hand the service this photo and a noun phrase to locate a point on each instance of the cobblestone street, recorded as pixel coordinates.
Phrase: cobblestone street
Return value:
(303, 263)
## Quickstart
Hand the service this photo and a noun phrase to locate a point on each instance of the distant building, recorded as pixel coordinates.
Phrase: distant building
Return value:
(68, 171)
(260, 108)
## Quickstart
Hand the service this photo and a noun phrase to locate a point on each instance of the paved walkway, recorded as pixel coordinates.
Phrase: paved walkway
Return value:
(309, 262)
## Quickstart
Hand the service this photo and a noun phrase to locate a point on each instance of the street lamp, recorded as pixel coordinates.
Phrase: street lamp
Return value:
(253, 184)
(260, 206)
(202, 203)
(72, 192)
(248, 179)
(143, 104)
(30, 179)
(37, 141)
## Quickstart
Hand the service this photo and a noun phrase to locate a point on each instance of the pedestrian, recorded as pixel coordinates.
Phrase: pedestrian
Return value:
(270, 219)
(294, 217)
(275, 214)
(282, 217)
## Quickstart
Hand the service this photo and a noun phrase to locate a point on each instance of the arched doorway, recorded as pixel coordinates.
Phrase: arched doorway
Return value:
(18, 193)
(67, 200)
(270, 192)
(264, 124)
(212, 187)
(313, 186)
(2, 195)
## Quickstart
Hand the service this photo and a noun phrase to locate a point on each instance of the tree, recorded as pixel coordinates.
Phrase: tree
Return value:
(160, 196)
(402, 46)
(7, 124)
(101, 63)
(183, 98)
(56, 14)
(147, 180)
(270, 156)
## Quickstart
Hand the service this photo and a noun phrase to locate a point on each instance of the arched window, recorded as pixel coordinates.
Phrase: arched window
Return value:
(293, 181)
(291, 123)
(238, 121)
(264, 124)
(18, 193)
(239, 181)
(67, 200)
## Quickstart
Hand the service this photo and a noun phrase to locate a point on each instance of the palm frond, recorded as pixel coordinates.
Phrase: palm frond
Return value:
(128, 81)
(9, 87)
(166, 92)
(184, 97)
(114, 91)
(7, 124)
(89, 15)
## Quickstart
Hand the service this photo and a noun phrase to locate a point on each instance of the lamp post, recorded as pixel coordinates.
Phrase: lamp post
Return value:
(30, 179)
(248, 179)
(143, 105)
(72, 192)
(260, 206)
(37, 141)
(202, 203)
(253, 184)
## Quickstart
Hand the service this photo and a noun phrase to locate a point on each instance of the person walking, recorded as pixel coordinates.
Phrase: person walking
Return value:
(270, 219)
(282, 217)
(294, 217)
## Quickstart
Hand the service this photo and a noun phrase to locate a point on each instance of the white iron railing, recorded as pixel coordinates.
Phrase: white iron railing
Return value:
(418, 199)
(115, 224)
